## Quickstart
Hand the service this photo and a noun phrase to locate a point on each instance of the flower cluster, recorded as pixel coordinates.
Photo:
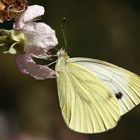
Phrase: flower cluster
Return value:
(10, 9)
(28, 40)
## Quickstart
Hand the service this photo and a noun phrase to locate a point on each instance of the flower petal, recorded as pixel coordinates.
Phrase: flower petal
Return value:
(39, 38)
(28, 15)
(27, 65)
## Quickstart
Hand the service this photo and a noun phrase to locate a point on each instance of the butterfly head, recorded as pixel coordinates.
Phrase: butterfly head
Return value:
(62, 54)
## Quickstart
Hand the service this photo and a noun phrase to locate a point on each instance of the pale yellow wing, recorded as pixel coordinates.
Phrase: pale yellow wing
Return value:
(124, 85)
(86, 103)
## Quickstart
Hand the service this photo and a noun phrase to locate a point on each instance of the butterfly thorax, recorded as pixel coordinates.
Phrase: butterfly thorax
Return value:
(63, 60)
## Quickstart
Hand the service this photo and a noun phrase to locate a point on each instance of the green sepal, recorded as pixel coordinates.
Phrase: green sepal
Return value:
(12, 41)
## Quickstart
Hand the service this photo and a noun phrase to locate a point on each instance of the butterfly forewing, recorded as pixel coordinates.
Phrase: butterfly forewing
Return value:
(124, 85)
(87, 104)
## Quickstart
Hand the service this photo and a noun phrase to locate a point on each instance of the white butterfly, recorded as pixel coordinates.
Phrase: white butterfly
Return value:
(93, 94)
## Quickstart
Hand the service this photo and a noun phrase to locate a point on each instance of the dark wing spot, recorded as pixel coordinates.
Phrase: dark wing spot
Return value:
(109, 97)
(119, 95)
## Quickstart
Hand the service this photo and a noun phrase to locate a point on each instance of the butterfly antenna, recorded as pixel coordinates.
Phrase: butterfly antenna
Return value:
(63, 32)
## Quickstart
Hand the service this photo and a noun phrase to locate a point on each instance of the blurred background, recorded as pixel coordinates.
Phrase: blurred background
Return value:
(104, 29)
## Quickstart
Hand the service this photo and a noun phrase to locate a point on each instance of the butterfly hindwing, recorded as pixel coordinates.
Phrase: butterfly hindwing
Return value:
(124, 85)
(86, 103)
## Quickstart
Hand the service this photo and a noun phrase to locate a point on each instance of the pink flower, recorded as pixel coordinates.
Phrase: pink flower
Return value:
(31, 13)
(27, 65)
(39, 38)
